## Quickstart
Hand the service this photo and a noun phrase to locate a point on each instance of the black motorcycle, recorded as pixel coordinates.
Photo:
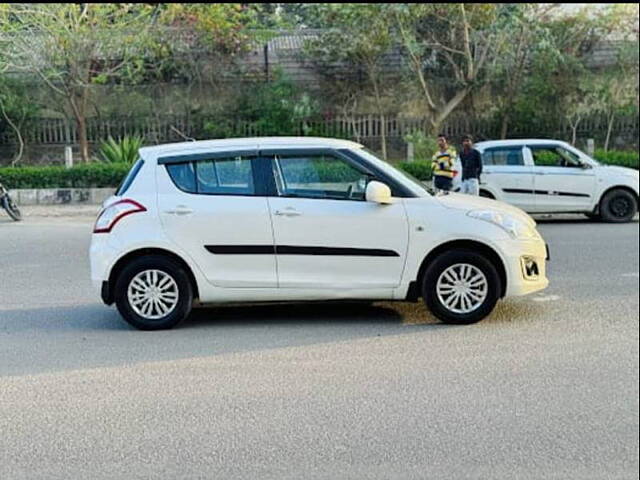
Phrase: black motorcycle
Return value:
(8, 204)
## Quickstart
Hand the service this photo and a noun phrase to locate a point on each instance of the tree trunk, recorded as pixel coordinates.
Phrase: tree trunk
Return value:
(609, 129)
(81, 123)
(78, 105)
(448, 108)
(376, 90)
(574, 130)
(383, 135)
(18, 155)
(504, 127)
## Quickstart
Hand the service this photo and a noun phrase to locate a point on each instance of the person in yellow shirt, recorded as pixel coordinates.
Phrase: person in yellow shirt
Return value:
(442, 165)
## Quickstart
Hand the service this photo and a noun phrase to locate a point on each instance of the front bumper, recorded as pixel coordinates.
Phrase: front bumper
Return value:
(520, 254)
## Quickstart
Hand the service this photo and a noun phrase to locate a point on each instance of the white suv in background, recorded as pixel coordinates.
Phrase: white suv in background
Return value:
(551, 176)
(301, 219)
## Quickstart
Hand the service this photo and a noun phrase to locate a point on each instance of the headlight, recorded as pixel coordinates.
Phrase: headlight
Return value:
(512, 225)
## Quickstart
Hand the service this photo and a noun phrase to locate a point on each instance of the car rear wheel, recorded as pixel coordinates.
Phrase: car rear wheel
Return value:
(618, 206)
(461, 287)
(153, 293)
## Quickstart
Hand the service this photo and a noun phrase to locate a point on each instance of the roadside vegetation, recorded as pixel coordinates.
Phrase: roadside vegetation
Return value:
(95, 175)
(116, 76)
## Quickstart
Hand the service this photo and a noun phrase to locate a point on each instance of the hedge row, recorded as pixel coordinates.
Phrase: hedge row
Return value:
(96, 175)
(617, 157)
(93, 175)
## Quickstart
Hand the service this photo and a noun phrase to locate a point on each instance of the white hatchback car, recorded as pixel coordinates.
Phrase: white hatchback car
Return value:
(301, 219)
(551, 176)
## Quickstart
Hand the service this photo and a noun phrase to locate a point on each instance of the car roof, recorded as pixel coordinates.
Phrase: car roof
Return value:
(517, 142)
(250, 142)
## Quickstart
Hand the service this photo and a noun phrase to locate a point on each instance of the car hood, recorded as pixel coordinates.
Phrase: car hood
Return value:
(628, 172)
(459, 201)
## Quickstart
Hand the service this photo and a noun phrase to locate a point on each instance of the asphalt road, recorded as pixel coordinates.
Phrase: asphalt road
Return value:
(547, 387)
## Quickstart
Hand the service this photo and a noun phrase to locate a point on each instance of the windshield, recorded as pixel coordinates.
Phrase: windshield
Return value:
(417, 184)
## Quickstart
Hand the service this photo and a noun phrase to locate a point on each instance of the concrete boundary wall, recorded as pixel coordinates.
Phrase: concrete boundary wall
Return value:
(61, 196)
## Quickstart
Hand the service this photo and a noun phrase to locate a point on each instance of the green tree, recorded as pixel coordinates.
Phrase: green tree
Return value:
(72, 46)
(455, 41)
(525, 34)
(16, 110)
(359, 36)
(617, 87)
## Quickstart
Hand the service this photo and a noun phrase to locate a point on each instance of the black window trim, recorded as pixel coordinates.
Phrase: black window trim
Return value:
(196, 157)
(127, 181)
(264, 179)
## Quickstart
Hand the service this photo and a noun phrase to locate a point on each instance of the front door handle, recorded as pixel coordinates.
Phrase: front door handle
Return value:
(287, 213)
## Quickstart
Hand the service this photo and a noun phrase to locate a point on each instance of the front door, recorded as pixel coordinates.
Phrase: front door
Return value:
(326, 234)
(561, 183)
(213, 208)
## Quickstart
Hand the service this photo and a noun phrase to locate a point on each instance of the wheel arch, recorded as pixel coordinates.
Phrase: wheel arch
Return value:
(487, 193)
(617, 187)
(474, 245)
(108, 295)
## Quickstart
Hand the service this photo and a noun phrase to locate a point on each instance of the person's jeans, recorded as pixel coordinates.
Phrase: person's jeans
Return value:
(441, 183)
(470, 186)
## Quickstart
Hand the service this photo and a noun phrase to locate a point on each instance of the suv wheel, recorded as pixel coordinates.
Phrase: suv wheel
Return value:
(153, 293)
(618, 206)
(461, 287)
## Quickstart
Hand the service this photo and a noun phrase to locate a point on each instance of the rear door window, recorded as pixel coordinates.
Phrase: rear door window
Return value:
(219, 176)
(503, 157)
(225, 176)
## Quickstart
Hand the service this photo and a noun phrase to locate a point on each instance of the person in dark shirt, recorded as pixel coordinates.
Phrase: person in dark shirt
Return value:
(471, 167)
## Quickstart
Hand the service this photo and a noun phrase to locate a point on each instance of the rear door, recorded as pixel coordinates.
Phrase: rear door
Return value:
(214, 206)
(506, 171)
(561, 183)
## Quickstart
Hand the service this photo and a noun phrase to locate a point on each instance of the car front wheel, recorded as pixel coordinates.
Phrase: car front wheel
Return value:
(618, 206)
(153, 293)
(461, 287)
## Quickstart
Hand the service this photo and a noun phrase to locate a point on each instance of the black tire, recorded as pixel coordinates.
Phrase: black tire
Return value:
(11, 208)
(448, 259)
(169, 267)
(618, 206)
(485, 194)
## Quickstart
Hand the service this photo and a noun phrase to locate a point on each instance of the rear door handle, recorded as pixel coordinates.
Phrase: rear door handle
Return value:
(287, 213)
(180, 210)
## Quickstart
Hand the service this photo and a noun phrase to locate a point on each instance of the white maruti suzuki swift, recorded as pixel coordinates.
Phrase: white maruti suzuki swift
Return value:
(301, 219)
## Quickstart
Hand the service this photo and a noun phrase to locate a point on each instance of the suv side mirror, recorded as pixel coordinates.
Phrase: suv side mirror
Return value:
(378, 192)
(585, 166)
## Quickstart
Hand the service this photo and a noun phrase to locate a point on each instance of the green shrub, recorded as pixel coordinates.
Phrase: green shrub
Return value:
(93, 175)
(617, 157)
(423, 146)
(420, 169)
(123, 150)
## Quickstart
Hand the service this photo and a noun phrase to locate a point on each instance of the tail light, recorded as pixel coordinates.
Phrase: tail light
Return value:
(112, 214)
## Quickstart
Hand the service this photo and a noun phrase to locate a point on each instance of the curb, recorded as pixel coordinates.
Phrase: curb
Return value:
(60, 196)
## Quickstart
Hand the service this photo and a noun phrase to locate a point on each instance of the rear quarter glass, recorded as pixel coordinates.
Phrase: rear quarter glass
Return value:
(128, 180)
